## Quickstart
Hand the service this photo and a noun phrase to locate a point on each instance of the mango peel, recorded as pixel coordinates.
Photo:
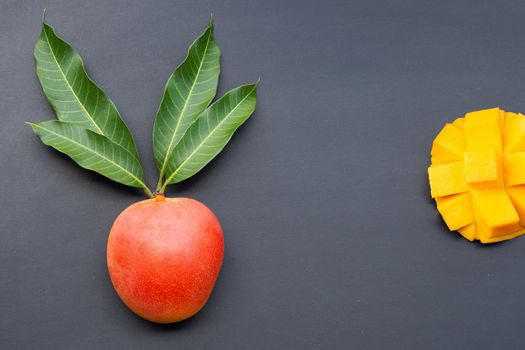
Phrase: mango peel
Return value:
(477, 175)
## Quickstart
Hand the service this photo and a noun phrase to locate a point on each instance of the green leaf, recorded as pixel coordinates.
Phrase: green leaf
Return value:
(72, 94)
(91, 151)
(210, 133)
(188, 92)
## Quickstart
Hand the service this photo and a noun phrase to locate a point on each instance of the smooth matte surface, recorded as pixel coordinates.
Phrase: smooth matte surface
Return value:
(331, 238)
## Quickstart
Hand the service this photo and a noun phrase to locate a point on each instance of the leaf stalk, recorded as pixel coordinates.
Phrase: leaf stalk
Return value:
(148, 192)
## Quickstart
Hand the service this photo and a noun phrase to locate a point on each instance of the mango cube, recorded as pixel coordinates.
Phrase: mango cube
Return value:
(495, 213)
(514, 134)
(469, 231)
(449, 144)
(509, 117)
(485, 115)
(456, 210)
(483, 135)
(515, 168)
(517, 196)
(459, 123)
(447, 179)
(483, 168)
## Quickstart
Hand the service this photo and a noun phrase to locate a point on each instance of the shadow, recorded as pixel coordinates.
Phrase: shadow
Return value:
(491, 245)
(175, 190)
(440, 223)
(456, 236)
(173, 327)
(425, 187)
(82, 175)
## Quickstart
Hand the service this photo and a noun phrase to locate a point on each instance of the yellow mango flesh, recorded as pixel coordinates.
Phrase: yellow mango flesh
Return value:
(483, 168)
(482, 130)
(447, 179)
(495, 213)
(456, 210)
(514, 135)
(470, 231)
(517, 196)
(515, 168)
(448, 146)
(477, 175)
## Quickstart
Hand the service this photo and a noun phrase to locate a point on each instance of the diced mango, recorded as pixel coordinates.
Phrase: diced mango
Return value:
(502, 114)
(459, 123)
(515, 168)
(514, 134)
(484, 115)
(495, 213)
(449, 144)
(483, 134)
(513, 234)
(481, 194)
(456, 210)
(517, 195)
(447, 179)
(436, 161)
(508, 117)
(469, 231)
(483, 169)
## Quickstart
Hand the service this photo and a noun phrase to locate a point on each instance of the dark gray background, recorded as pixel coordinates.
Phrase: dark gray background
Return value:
(331, 239)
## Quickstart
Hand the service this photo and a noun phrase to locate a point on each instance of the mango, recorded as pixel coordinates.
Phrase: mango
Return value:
(447, 179)
(483, 168)
(164, 256)
(477, 175)
(517, 196)
(469, 231)
(483, 131)
(459, 123)
(456, 210)
(515, 168)
(495, 213)
(514, 135)
(449, 145)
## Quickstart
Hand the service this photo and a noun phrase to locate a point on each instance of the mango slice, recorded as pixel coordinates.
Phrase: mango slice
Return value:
(477, 175)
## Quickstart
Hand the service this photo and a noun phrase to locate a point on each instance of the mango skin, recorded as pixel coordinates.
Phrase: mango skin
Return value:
(164, 256)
